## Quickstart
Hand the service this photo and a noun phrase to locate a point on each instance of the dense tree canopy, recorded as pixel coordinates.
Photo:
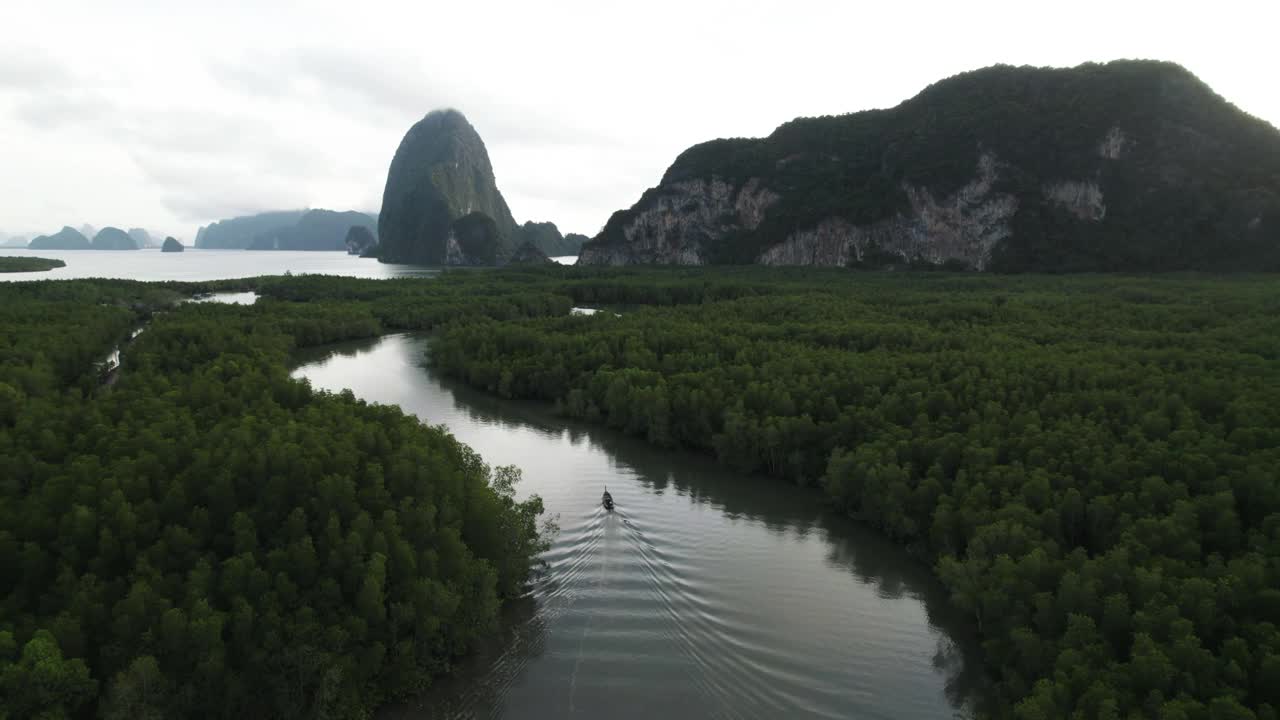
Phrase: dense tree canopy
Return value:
(1093, 464)
(28, 264)
(206, 537)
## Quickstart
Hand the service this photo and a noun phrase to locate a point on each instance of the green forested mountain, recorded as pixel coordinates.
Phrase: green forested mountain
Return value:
(68, 238)
(440, 173)
(207, 537)
(113, 238)
(1130, 165)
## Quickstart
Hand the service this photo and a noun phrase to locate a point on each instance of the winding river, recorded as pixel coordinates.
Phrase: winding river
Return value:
(707, 594)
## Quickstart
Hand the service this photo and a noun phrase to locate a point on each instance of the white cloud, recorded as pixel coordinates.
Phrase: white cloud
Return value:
(172, 114)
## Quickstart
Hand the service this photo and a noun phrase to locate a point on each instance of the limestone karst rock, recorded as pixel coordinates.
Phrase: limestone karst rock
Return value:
(440, 174)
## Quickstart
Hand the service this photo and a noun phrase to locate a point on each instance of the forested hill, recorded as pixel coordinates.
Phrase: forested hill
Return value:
(1131, 165)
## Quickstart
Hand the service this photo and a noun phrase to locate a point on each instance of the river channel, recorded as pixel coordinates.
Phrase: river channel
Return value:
(707, 594)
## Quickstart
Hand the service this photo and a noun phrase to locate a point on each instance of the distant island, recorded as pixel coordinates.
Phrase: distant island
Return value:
(111, 238)
(28, 264)
(317, 230)
(68, 238)
(171, 245)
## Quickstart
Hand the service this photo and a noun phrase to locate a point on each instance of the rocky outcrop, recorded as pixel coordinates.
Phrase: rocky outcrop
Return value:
(360, 241)
(171, 245)
(1113, 145)
(961, 229)
(112, 238)
(440, 174)
(1132, 165)
(68, 238)
(1082, 199)
(529, 254)
(675, 226)
(473, 239)
(546, 237)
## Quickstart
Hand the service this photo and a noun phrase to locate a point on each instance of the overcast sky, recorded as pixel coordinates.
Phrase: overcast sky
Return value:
(168, 115)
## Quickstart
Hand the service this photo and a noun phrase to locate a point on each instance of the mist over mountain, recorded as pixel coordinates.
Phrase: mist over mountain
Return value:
(1127, 166)
(68, 238)
(283, 230)
(141, 237)
(113, 238)
(315, 230)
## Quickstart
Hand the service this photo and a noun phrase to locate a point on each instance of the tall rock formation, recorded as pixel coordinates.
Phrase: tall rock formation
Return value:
(68, 238)
(113, 238)
(1131, 165)
(440, 174)
(171, 245)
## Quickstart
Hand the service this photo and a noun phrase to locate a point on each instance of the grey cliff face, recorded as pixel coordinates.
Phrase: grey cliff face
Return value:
(673, 230)
(963, 227)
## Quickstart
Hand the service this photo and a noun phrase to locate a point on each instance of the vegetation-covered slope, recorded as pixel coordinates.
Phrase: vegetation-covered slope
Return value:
(1131, 165)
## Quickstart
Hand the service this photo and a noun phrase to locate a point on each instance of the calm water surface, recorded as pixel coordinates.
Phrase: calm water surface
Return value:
(196, 265)
(707, 594)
